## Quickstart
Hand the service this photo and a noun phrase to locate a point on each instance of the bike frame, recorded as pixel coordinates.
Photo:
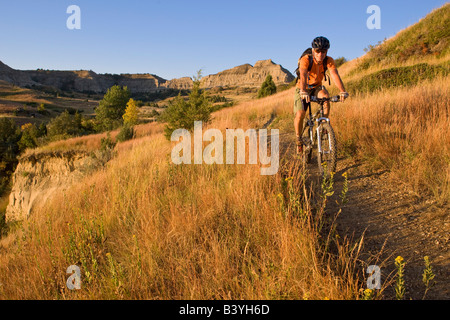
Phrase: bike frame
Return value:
(310, 125)
(319, 119)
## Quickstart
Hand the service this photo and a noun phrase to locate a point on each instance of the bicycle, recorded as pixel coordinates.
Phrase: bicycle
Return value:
(323, 137)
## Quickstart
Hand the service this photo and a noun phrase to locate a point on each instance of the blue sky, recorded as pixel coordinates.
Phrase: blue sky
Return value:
(175, 38)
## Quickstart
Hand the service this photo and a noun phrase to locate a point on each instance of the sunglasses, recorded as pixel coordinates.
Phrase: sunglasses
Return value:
(320, 51)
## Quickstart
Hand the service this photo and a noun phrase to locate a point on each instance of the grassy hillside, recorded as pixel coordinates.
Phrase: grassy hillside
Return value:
(144, 228)
(23, 104)
(397, 118)
(417, 53)
(430, 37)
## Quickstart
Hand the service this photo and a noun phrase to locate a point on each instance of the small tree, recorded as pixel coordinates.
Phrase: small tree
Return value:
(65, 125)
(267, 88)
(181, 113)
(111, 108)
(29, 136)
(130, 116)
(126, 133)
(41, 109)
(339, 61)
(10, 135)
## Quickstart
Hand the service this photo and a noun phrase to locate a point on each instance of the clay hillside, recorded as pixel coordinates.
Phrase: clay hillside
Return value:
(83, 81)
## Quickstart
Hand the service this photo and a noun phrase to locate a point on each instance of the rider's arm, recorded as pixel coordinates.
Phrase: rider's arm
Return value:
(303, 80)
(337, 79)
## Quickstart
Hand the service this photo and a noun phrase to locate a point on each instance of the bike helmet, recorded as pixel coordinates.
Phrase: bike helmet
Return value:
(321, 43)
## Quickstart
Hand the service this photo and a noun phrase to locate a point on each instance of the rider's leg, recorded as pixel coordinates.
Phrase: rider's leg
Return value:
(326, 107)
(300, 112)
(298, 122)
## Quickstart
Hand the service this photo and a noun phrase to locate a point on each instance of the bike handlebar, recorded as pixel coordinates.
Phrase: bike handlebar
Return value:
(332, 99)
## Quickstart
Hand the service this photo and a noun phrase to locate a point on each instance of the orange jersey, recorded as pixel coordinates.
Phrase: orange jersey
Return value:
(316, 73)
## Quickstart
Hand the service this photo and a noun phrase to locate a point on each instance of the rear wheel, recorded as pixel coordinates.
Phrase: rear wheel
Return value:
(326, 151)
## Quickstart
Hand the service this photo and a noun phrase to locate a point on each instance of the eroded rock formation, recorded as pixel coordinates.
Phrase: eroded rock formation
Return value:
(88, 81)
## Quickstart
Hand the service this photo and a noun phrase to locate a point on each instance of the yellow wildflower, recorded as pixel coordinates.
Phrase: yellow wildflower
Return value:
(399, 260)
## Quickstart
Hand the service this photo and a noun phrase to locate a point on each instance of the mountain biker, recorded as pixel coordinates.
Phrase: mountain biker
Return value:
(310, 84)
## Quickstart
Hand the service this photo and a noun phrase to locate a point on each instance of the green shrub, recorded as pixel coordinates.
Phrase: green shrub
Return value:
(267, 88)
(65, 125)
(181, 113)
(339, 61)
(41, 109)
(107, 143)
(10, 135)
(126, 132)
(29, 136)
(216, 98)
(106, 151)
(111, 108)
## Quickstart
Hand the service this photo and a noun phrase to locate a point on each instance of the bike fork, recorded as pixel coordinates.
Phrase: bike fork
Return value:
(319, 138)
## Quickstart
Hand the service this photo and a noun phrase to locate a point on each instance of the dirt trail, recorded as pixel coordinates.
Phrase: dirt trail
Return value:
(394, 223)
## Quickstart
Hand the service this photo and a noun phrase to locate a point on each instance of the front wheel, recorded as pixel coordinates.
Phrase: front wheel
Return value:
(326, 149)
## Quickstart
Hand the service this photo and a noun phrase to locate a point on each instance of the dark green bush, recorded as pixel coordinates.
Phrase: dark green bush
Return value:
(10, 135)
(216, 98)
(126, 133)
(111, 108)
(65, 125)
(182, 113)
(267, 88)
(339, 61)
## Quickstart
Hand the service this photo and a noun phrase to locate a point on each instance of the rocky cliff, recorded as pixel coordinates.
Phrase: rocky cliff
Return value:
(88, 81)
(39, 176)
(247, 75)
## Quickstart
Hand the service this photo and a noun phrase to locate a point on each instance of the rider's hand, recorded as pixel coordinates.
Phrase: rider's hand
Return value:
(305, 96)
(343, 95)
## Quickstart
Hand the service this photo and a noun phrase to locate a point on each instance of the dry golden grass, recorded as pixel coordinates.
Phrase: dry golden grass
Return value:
(144, 228)
(402, 130)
